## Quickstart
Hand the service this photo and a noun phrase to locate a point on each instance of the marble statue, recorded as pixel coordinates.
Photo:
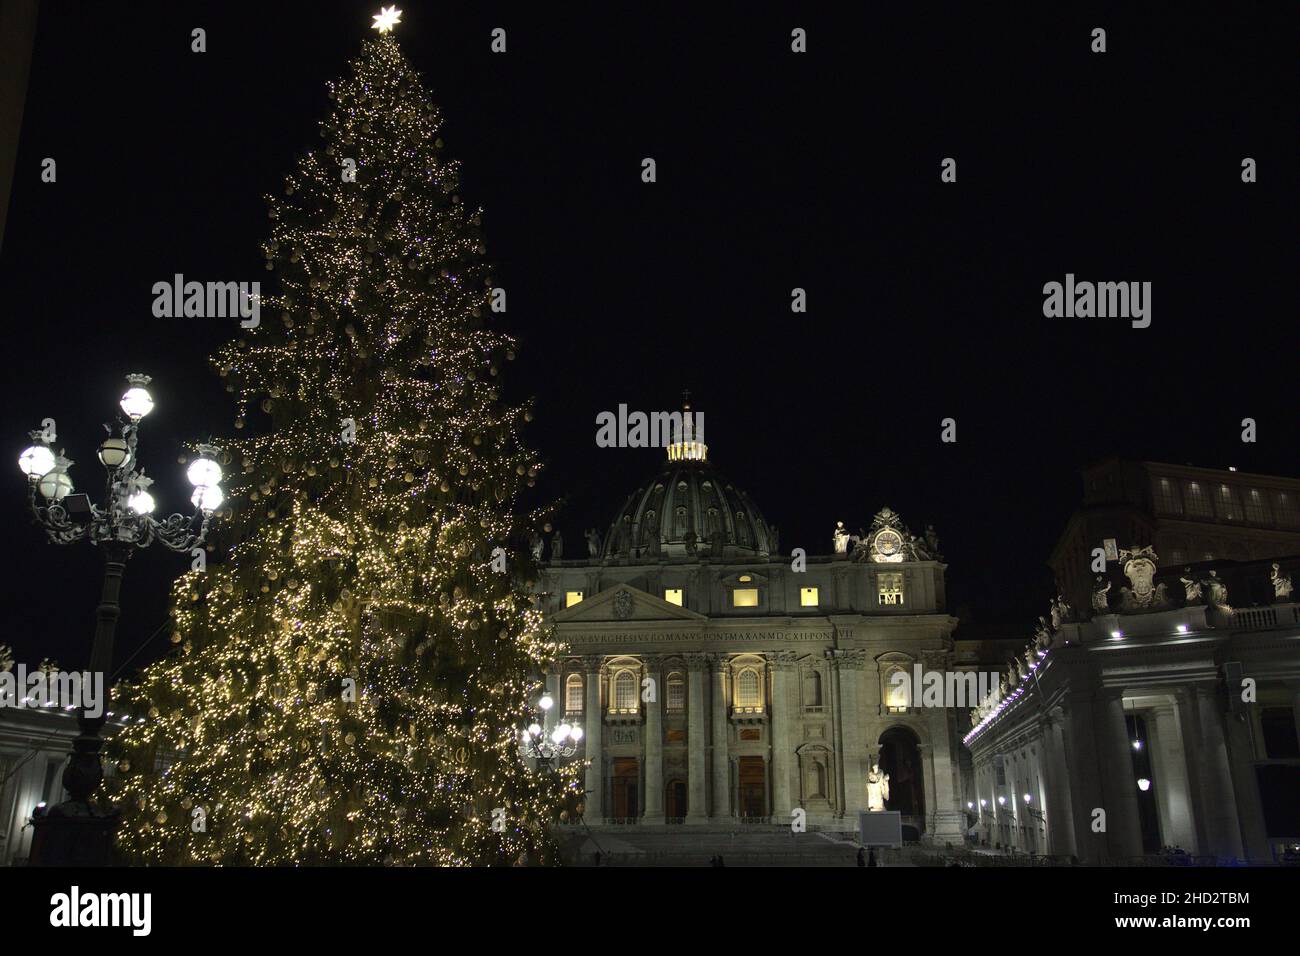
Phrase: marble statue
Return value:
(932, 542)
(688, 540)
(1216, 590)
(1099, 600)
(557, 545)
(841, 538)
(877, 788)
(1281, 584)
(593, 542)
(1193, 588)
(1061, 611)
(1042, 633)
(535, 544)
(1031, 658)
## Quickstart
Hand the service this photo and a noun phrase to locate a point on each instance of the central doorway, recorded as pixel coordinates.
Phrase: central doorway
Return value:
(752, 774)
(626, 781)
(676, 799)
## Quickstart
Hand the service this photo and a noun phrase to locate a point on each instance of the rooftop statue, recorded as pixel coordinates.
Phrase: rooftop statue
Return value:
(1281, 584)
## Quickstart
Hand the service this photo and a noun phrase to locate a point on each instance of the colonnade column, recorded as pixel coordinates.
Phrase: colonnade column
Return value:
(1218, 802)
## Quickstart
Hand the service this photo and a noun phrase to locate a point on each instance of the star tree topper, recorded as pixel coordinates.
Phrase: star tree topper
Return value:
(386, 19)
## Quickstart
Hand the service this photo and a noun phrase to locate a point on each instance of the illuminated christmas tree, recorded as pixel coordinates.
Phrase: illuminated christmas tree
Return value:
(349, 680)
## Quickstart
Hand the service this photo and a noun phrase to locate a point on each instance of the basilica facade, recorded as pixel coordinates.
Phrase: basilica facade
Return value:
(721, 682)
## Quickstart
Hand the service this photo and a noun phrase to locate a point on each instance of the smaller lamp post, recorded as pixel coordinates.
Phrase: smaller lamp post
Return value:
(561, 741)
(79, 831)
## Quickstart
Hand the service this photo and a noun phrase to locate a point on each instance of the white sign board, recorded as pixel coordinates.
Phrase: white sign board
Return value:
(880, 828)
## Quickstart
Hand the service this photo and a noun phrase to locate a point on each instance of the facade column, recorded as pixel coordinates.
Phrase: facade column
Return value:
(654, 742)
(722, 804)
(836, 795)
(697, 674)
(594, 721)
(782, 665)
(947, 817)
(855, 774)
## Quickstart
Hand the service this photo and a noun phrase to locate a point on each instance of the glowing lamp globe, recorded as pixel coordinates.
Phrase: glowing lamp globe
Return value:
(546, 703)
(576, 734)
(137, 402)
(534, 730)
(36, 461)
(557, 736)
(141, 502)
(203, 472)
(207, 497)
(564, 730)
(1144, 784)
(55, 483)
(114, 452)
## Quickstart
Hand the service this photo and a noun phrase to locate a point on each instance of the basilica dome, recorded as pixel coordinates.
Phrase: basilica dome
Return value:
(689, 510)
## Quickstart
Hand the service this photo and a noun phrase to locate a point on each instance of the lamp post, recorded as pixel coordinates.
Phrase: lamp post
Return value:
(77, 831)
(537, 744)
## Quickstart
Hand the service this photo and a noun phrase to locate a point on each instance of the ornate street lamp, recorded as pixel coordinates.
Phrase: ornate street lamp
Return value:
(537, 744)
(77, 831)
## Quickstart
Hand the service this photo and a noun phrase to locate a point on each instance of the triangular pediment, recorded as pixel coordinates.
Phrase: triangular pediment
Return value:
(610, 605)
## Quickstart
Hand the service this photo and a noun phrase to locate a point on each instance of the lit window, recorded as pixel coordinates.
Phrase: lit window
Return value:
(897, 692)
(1166, 497)
(573, 694)
(572, 597)
(673, 596)
(747, 684)
(1225, 500)
(744, 597)
(889, 586)
(1198, 503)
(1256, 507)
(1285, 508)
(625, 692)
(808, 597)
(676, 693)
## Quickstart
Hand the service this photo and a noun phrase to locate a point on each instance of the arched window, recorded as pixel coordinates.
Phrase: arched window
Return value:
(747, 688)
(625, 691)
(676, 693)
(573, 703)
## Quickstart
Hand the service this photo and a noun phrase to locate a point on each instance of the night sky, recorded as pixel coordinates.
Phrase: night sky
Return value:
(775, 170)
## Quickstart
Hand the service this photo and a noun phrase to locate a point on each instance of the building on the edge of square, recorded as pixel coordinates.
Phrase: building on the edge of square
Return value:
(1162, 718)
